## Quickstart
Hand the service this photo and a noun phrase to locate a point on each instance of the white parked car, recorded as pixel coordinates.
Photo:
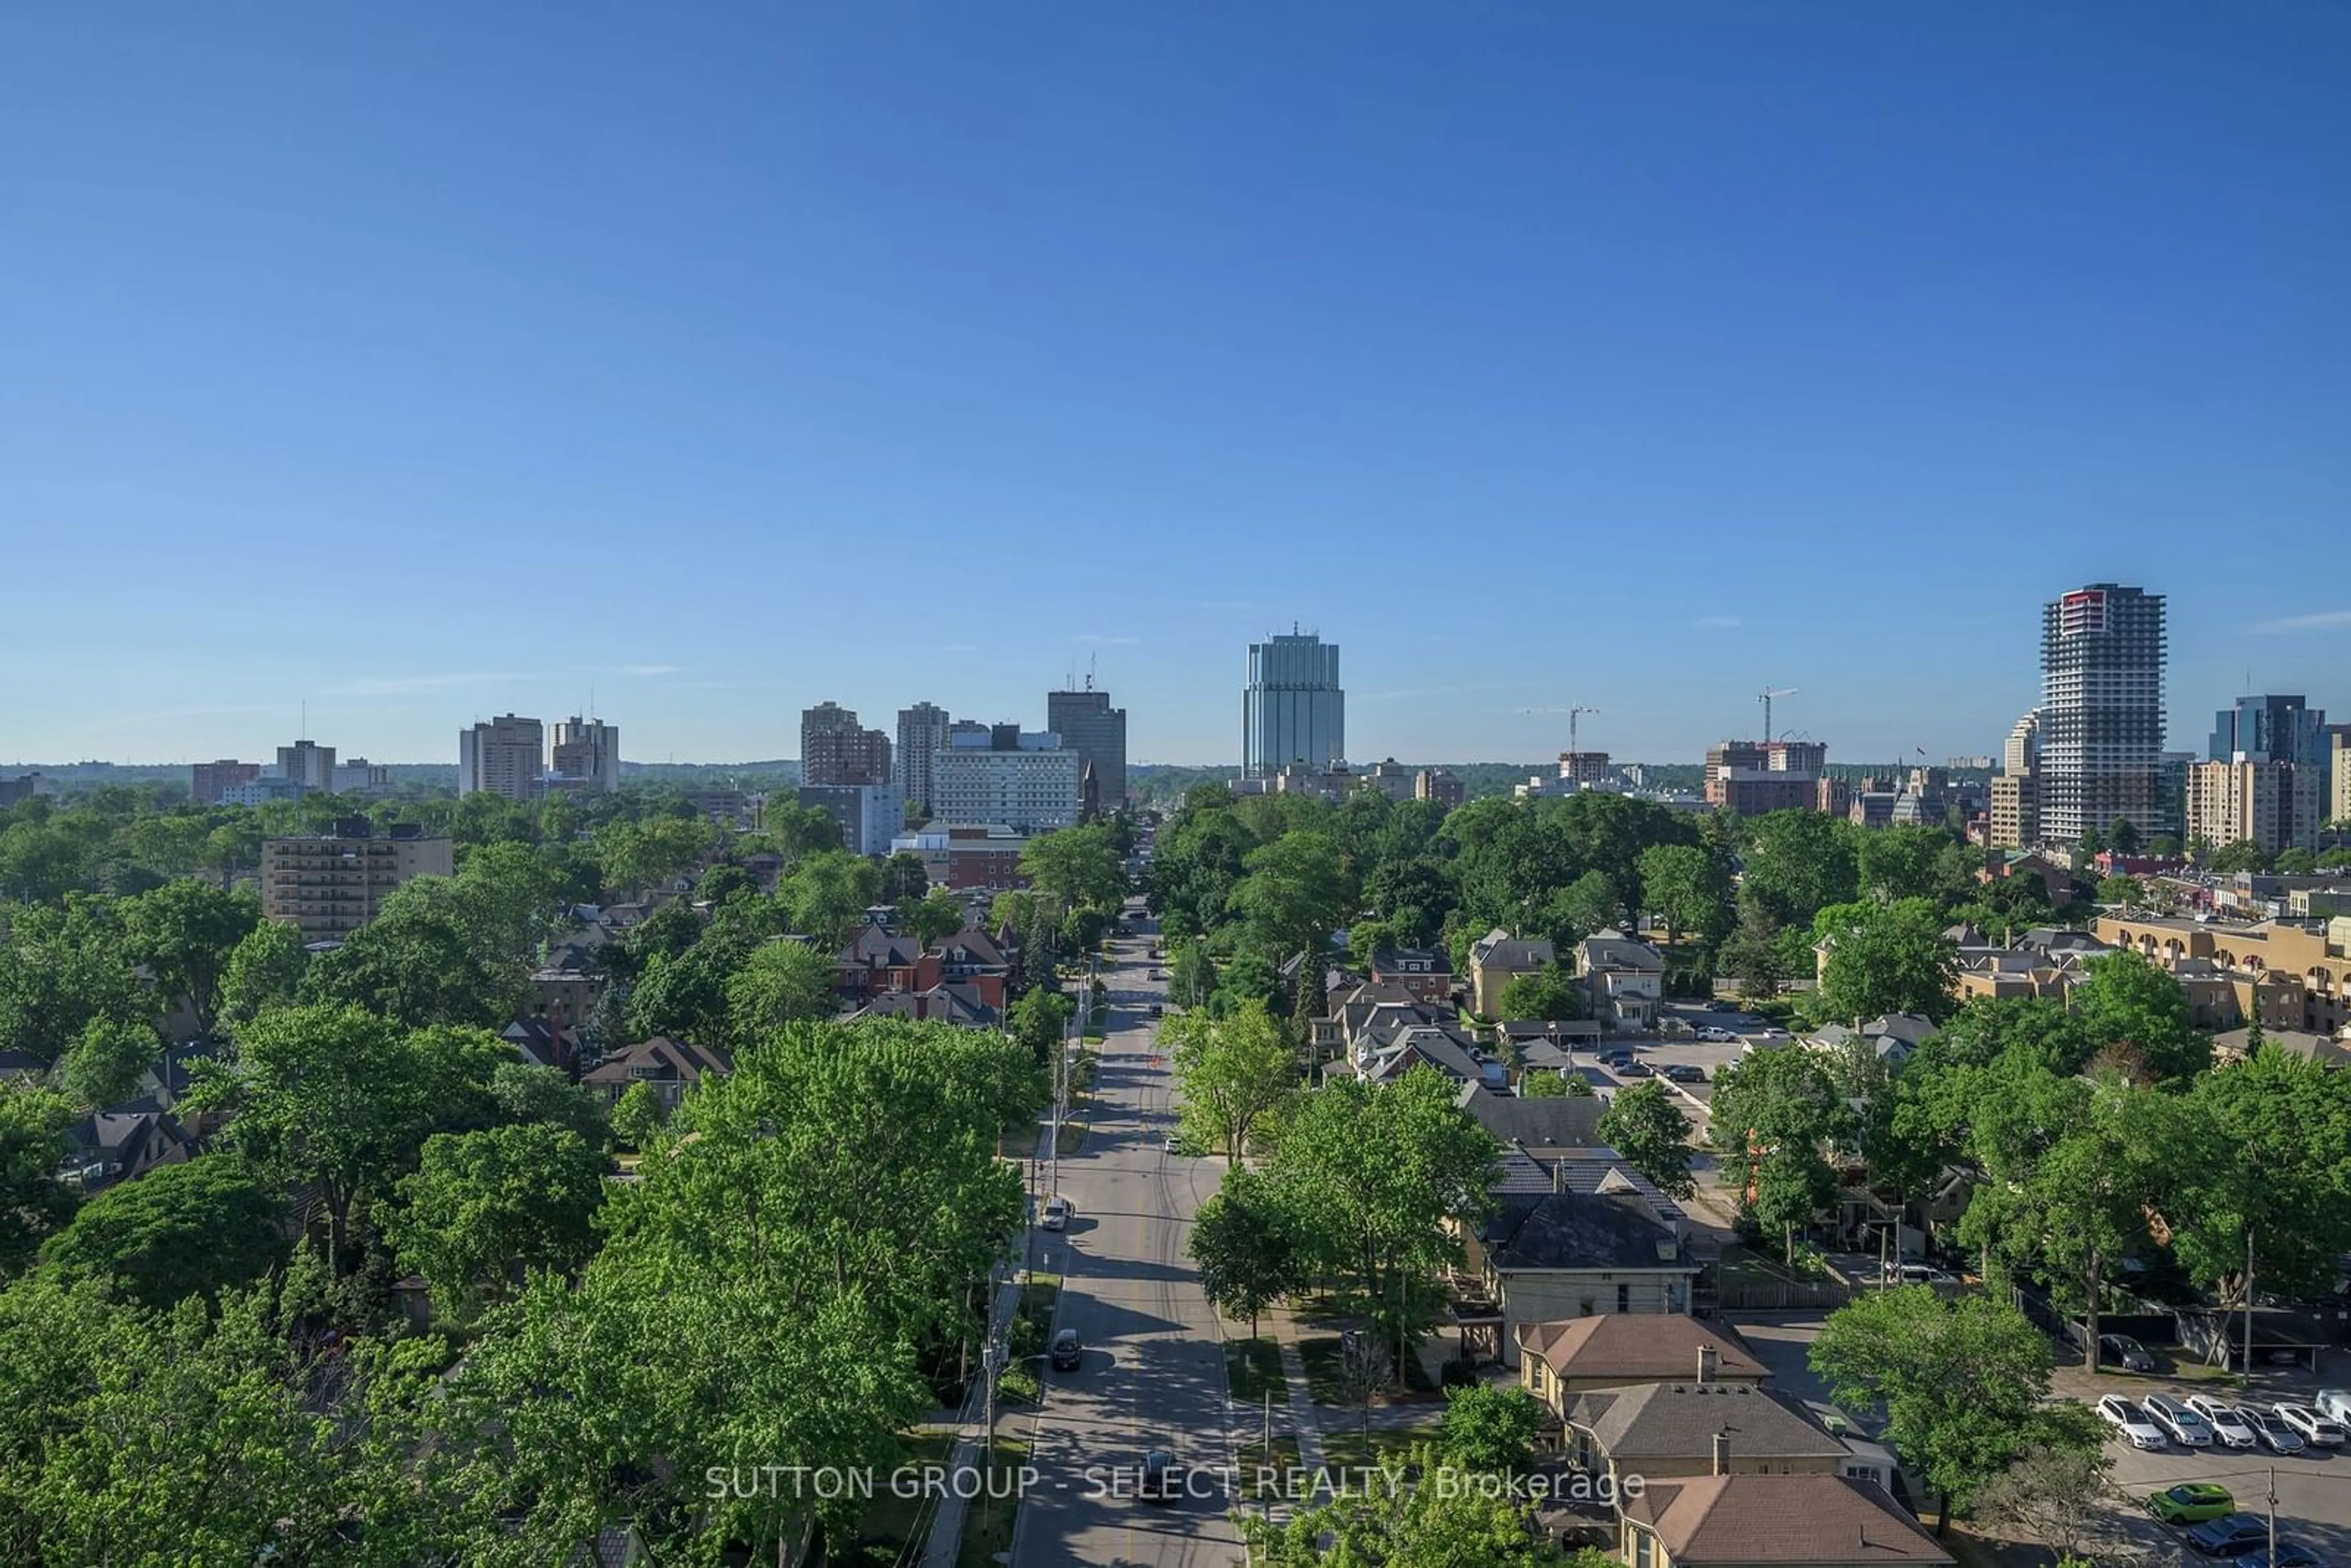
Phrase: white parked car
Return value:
(2315, 1429)
(2184, 1426)
(2334, 1404)
(1717, 1034)
(2131, 1422)
(2227, 1429)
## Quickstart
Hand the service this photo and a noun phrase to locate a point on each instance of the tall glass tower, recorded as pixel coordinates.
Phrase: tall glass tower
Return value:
(2101, 729)
(1293, 709)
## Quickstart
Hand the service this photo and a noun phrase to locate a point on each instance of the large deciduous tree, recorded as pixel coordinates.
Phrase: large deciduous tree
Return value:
(1374, 1172)
(180, 1231)
(1294, 895)
(1646, 1126)
(2127, 999)
(1964, 1381)
(781, 982)
(483, 1208)
(184, 932)
(1884, 958)
(1235, 1070)
(1080, 866)
(1245, 1242)
(1775, 1114)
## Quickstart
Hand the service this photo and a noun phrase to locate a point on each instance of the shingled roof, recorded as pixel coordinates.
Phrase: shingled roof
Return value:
(1681, 1421)
(1819, 1522)
(1581, 1231)
(1636, 1347)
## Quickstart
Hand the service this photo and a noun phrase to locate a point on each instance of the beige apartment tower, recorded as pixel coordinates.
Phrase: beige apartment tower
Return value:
(507, 755)
(330, 885)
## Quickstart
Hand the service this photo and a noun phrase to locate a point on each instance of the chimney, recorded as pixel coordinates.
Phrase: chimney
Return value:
(1722, 1453)
(1706, 1360)
(1559, 1176)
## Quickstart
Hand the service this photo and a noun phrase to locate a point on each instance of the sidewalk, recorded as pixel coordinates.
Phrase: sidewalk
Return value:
(946, 1539)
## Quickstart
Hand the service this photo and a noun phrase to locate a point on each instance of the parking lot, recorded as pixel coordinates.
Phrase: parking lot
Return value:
(2314, 1490)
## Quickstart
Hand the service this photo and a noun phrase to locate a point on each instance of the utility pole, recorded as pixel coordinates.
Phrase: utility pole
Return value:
(2273, 1502)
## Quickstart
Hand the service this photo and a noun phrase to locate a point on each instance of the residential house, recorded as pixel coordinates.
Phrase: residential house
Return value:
(1695, 1428)
(879, 962)
(1385, 1055)
(1495, 959)
(1623, 979)
(1425, 973)
(1592, 1170)
(671, 1066)
(974, 959)
(2231, 1045)
(961, 1005)
(2056, 881)
(1539, 1124)
(564, 995)
(1549, 1254)
(124, 1143)
(1561, 1360)
(1808, 1521)
(1892, 1038)
(544, 1044)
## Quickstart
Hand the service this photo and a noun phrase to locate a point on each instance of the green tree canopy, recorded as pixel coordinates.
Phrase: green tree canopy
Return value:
(184, 932)
(1236, 1070)
(1644, 1125)
(483, 1208)
(1884, 958)
(1549, 995)
(1246, 1244)
(1374, 1171)
(781, 982)
(179, 1230)
(1964, 1381)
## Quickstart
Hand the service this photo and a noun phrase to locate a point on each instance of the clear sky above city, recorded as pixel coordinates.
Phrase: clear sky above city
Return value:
(422, 362)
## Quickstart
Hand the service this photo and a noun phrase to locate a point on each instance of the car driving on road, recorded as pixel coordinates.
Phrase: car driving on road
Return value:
(1057, 1214)
(1067, 1351)
(1163, 1477)
(2129, 1420)
(1717, 1035)
(1686, 1072)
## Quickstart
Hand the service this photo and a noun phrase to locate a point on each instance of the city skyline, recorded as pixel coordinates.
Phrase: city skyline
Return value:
(1685, 357)
(2313, 659)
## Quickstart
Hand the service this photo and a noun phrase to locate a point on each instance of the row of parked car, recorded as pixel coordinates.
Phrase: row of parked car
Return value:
(2157, 1421)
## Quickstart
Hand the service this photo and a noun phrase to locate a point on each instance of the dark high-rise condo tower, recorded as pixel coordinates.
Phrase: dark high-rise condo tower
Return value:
(1096, 731)
(1293, 709)
(836, 749)
(2101, 716)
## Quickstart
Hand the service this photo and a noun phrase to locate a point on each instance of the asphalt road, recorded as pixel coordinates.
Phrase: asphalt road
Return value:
(1153, 1375)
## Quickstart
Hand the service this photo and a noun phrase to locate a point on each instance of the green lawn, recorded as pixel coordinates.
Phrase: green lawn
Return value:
(988, 1526)
(1350, 1447)
(1253, 1370)
(1262, 1470)
(1321, 1356)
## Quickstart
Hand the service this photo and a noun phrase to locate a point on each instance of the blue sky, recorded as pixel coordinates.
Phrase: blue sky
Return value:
(422, 362)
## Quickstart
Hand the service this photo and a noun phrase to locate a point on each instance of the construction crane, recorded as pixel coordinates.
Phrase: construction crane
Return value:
(1769, 693)
(1572, 715)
